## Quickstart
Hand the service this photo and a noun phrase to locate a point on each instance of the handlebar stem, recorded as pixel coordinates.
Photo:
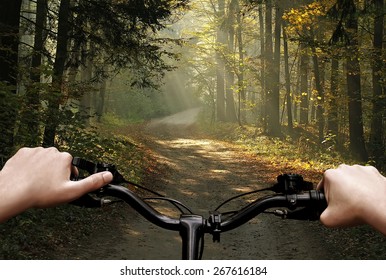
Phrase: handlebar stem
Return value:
(191, 232)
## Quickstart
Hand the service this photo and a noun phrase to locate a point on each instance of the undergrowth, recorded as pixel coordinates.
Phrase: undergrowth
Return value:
(46, 233)
(297, 150)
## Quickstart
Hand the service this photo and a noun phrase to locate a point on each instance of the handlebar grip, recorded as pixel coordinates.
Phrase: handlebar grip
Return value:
(314, 204)
(319, 199)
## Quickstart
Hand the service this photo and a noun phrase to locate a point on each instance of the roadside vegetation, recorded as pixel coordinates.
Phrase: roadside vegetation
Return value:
(299, 149)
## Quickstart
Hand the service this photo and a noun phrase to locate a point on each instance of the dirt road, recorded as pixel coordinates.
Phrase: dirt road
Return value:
(202, 173)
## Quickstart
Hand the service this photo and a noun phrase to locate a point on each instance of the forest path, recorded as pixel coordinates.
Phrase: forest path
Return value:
(201, 173)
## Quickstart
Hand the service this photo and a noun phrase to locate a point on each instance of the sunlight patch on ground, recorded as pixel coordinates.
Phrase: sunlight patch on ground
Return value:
(244, 189)
(169, 211)
(133, 232)
(222, 171)
(188, 192)
(184, 142)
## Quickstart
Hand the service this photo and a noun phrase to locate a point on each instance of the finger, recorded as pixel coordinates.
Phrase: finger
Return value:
(91, 183)
(320, 185)
(74, 171)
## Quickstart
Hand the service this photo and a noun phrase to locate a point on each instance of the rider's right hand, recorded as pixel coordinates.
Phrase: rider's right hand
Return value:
(355, 195)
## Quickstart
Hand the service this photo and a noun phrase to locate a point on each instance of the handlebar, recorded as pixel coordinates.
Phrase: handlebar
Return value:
(142, 207)
(294, 194)
(313, 201)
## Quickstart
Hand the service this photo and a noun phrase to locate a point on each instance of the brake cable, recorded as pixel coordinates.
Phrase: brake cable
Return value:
(241, 195)
(176, 203)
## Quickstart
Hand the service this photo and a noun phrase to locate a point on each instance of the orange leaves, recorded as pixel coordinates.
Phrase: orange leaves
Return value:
(305, 17)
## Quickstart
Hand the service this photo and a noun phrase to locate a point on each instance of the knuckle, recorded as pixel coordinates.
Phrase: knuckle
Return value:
(52, 149)
(343, 166)
(329, 173)
(66, 156)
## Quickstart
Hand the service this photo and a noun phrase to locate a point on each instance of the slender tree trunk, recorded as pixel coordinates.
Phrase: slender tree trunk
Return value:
(287, 82)
(101, 100)
(9, 43)
(274, 97)
(357, 140)
(268, 61)
(241, 89)
(29, 131)
(53, 110)
(332, 116)
(320, 95)
(85, 105)
(304, 99)
(220, 68)
(229, 68)
(379, 101)
(263, 112)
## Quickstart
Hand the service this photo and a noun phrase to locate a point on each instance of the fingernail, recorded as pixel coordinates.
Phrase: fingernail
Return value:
(107, 176)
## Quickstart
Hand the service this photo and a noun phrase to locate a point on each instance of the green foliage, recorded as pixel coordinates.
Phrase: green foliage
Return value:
(135, 106)
(123, 35)
(100, 143)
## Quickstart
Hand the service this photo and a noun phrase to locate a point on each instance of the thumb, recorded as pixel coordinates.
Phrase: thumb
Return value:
(329, 218)
(93, 182)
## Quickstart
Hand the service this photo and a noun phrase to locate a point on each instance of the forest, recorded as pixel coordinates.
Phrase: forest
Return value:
(276, 65)
(302, 80)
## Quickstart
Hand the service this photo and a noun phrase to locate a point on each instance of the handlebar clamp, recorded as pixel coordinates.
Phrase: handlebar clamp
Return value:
(215, 221)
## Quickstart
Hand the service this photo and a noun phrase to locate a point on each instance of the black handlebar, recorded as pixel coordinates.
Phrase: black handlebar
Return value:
(311, 202)
(294, 194)
(142, 207)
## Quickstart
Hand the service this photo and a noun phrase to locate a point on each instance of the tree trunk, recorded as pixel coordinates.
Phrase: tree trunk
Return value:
(268, 61)
(220, 68)
(379, 103)
(53, 110)
(229, 68)
(320, 95)
(357, 140)
(287, 82)
(304, 99)
(100, 103)
(274, 128)
(332, 116)
(86, 103)
(9, 43)
(263, 112)
(241, 89)
(29, 131)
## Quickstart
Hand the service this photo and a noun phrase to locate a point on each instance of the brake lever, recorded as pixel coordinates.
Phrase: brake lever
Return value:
(93, 168)
(88, 200)
(304, 213)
